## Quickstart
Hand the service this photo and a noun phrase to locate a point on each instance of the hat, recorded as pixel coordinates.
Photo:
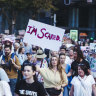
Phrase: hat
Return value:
(30, 53)
(7, 39)
(40, 54)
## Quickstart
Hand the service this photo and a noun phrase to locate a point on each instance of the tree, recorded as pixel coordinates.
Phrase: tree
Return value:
(12, 7)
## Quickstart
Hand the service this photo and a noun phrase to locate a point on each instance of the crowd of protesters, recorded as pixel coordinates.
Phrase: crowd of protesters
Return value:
(28, 70)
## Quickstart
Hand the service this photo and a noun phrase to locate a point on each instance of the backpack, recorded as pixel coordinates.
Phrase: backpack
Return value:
(8, 64)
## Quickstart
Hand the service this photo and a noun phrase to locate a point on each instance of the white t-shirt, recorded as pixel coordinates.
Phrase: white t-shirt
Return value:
(81, 89)
(3, 75)
(22, 58)
(5, 89)
(68, 60)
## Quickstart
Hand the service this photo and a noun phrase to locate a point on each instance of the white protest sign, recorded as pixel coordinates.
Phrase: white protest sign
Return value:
(69, 45)
(21, 32)
(85, 50)
(43, 35)
(11, 37)
(93, 47)
(7, 31)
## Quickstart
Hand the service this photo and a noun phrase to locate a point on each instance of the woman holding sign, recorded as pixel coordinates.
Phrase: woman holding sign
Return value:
(54, 77)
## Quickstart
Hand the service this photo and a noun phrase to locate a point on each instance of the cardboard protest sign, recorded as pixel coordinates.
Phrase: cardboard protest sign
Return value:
(74, 35)
(43, 35)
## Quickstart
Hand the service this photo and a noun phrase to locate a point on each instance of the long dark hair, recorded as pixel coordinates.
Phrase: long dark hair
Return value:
(20, 50)
(79, 55)
(33, 68)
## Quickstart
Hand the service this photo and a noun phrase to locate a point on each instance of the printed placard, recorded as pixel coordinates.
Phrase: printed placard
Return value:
(74, 35)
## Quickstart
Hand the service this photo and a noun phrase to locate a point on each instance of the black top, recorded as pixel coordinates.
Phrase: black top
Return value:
(26, 89)
(74, 66)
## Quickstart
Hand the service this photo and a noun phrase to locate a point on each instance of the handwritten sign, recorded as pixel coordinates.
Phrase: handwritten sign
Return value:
(43, 35)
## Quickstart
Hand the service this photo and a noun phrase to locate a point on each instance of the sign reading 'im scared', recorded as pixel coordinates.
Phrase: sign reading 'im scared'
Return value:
(44, 35)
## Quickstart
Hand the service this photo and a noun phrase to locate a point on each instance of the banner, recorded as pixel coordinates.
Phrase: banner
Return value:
(43, 35)
(74, 35)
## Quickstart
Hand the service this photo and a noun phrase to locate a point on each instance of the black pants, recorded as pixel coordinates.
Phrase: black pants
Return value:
(53, 91)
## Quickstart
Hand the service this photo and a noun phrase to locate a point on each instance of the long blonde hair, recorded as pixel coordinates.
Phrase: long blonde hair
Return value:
(59, 67)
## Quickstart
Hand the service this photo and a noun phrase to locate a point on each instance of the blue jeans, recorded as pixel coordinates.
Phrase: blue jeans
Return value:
(12, 84)
(66, 91)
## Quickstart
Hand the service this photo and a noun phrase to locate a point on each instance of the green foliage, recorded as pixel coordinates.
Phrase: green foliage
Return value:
(31, 4)
(11, 7)
(34, 5)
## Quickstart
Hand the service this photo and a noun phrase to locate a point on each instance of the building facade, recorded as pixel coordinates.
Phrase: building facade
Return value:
(79, 15)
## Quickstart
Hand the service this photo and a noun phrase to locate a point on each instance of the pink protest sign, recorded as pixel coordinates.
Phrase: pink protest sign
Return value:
(43, 35)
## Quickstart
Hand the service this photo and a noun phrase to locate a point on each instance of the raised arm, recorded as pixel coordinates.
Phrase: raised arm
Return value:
(37, 68)
(70, 73)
